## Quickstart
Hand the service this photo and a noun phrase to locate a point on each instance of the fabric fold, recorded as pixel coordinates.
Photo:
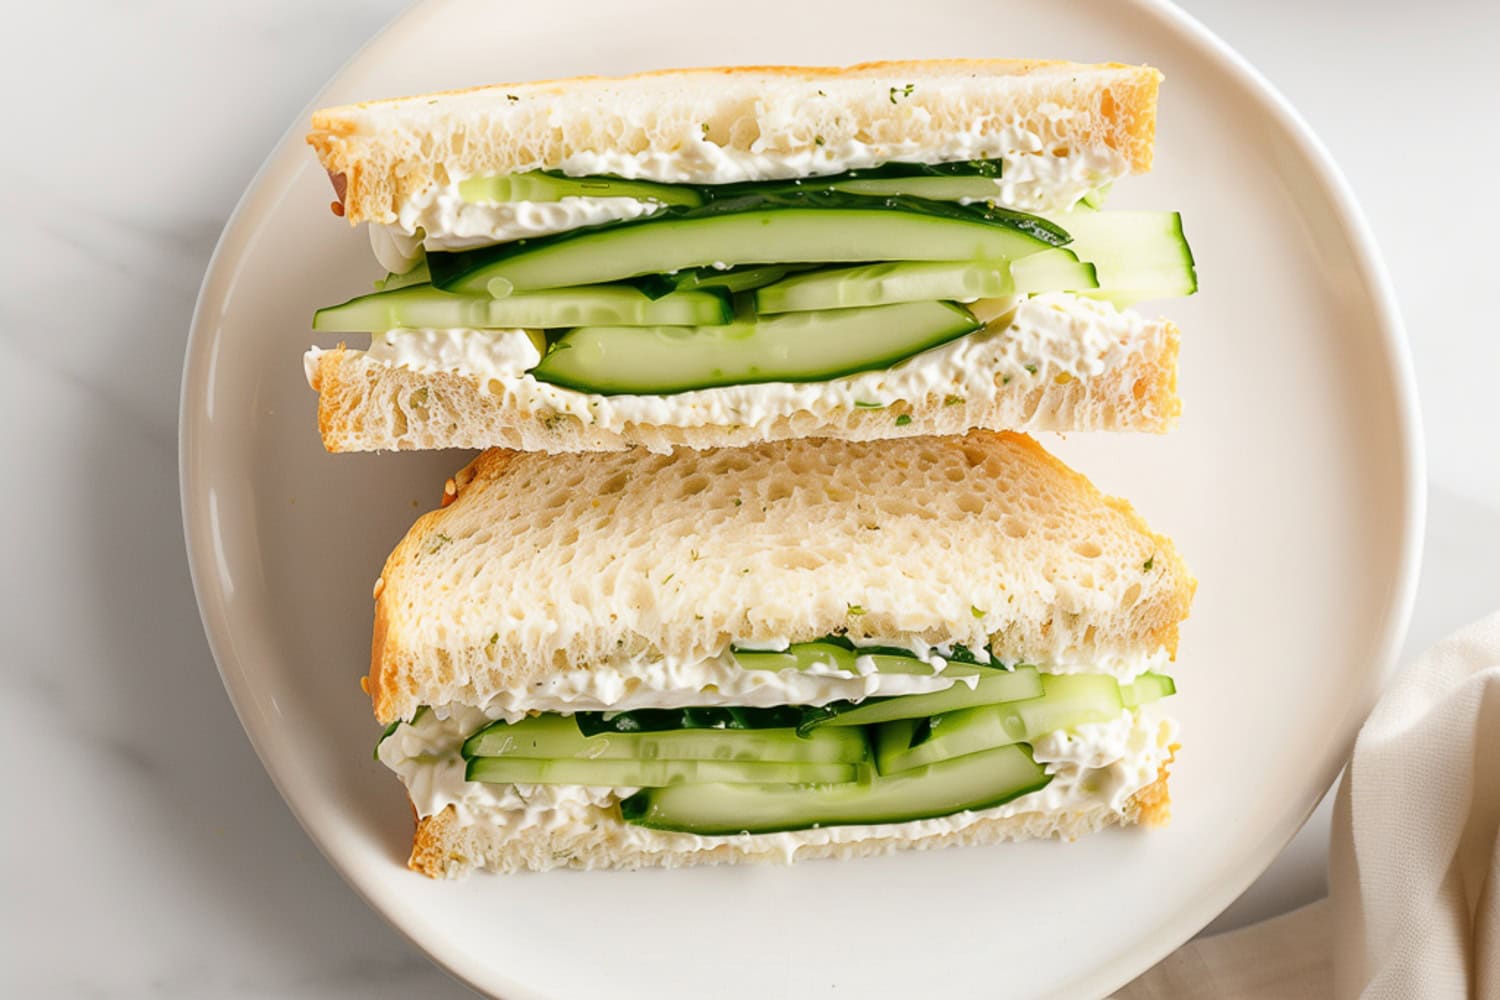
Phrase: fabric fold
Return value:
(1414, 863)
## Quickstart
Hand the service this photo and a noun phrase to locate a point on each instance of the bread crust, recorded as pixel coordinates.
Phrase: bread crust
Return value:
(366, 405)
(443, 847)
(380, 164)
(1127, 587)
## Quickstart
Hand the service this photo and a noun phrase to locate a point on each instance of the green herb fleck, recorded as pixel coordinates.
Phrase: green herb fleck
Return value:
(704, 126)
(1146, 567)
(869, 406)
(1031, 369)
(821, 94)
(438, 542)
(738, 501)
(856, 610)
(1005, 380)
(905, 91)
(512, 98)
(494, 638)
(903, 420)
(667, 579)
(953, 400)
(976, 612)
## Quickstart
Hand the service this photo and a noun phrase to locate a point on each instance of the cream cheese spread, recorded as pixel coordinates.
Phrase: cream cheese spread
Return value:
(1051, 337)
(1033, 178)
(483, 354)
(441, 220)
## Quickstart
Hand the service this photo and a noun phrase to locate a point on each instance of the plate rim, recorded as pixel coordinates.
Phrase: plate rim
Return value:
(1188, 920)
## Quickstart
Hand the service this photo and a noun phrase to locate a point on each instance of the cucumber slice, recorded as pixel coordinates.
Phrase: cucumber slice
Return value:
(654, 720)
(1057, 270)
(425, 307)
(794, 347)
(882, 284)
(836, 656)
(784, 228)
(964, 170)
(1136, 254)
(1068, 700)
(418, 275)
(1064, 705)
(1053, 271)
(537, 185)
(1148, 687)
(978, 781)
(989, 689)
(650, 773)
(1094, 200)
(556, 737)
(799, 656)
(935, 188)
(741, 279)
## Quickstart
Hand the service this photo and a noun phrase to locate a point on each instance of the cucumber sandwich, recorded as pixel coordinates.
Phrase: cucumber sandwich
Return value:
(790, 650)
(724, 257)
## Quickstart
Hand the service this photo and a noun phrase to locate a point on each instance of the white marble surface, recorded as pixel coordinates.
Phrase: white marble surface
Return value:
(144, 851)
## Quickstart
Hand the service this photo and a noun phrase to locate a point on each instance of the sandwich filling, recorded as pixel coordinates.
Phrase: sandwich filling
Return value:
(807, 743)
(720, 291)
(1031, 177)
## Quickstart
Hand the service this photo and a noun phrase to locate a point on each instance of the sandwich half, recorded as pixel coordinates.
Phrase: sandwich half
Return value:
(786, 651)
(721, 257)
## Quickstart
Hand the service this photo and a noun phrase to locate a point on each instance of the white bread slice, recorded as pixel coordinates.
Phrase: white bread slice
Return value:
(368, 405)
(381, 154)
(542, 563)
(444, 847)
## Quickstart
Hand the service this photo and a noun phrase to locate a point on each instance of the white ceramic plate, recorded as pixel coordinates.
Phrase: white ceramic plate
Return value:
(1292, 487)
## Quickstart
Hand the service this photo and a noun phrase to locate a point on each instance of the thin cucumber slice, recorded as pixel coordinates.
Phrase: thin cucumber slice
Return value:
(1068, 700)
(418, 275)
(425, 307)
(649, 773)
(800, 656)
(794, 347)
(1094, 200)
(989, 689)
(539, 186)
(882, 284)
(656, 720)
(886, 663)
(825, 656)
(978, 781)
(787, 228)
(1065, 705)
(1053, 271)
(741, 279)
(1139, 254)
(556, 737)
(935, 188)
(963, 170)
(1148, 687)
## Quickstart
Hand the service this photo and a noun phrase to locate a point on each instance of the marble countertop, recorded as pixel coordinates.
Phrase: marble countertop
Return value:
(158, 860)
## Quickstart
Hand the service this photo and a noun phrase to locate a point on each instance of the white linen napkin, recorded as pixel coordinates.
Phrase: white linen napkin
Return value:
(1413, 909)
